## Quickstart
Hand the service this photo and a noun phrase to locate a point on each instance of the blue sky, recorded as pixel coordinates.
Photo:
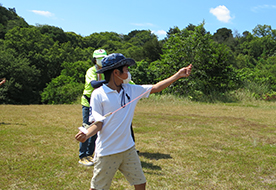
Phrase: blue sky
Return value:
(85, 17)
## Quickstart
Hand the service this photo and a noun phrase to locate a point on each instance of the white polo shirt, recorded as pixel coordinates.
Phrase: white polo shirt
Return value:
(115, 135)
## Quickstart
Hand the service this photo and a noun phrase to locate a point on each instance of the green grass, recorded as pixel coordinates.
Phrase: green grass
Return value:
(182, 144)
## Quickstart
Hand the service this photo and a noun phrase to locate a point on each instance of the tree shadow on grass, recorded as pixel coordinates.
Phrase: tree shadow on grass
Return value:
(150, 166)
(155, 156)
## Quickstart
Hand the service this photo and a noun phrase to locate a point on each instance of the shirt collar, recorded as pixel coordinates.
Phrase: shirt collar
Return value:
(108, 90)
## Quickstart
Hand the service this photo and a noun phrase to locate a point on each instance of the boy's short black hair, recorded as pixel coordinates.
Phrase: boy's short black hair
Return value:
(107, 74)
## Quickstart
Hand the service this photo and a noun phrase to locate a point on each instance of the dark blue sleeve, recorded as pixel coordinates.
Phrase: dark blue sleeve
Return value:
(97, 84)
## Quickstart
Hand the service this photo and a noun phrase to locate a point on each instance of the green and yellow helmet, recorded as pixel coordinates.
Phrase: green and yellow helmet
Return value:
(99, 54)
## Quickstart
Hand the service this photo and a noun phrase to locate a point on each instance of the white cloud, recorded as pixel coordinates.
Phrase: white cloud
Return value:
(257, 8)
(160, 33)
(222, 13)
(43, 13)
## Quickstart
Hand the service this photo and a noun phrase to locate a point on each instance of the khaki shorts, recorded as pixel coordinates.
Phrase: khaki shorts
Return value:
(127, 162)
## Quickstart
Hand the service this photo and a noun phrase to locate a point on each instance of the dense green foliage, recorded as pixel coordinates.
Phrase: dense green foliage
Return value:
(44, 64)
(212, 63)
(9, 19)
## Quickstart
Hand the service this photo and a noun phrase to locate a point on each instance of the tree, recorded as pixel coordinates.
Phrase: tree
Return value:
(223, 35)
(62, 90)
(212, 63)
(265, 72)
(243, 43)
(172, 31)
(139, 38)
(76, 40)
(65, 88)
(43, 53)
(262, 30)
(55, 33)
(77, 70)
(142, 74)
(9, 19)
(39, 49)
(21, 85)
(191, 27)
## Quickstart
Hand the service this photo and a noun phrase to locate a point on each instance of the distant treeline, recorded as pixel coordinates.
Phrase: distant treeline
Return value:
(44, 64)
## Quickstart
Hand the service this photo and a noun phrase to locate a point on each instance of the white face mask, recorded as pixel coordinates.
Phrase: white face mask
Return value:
(128, 79)
(99, 61)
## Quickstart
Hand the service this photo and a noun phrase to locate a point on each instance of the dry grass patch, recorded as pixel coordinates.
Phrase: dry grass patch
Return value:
(183, 145)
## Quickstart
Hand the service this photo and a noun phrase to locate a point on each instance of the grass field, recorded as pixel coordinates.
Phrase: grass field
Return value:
(182, 144)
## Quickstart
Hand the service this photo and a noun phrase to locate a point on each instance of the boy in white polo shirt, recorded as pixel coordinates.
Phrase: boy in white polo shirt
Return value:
(115, 148)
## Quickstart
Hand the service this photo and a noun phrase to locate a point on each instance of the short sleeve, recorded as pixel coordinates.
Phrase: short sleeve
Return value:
(140, 91)
(96, 112)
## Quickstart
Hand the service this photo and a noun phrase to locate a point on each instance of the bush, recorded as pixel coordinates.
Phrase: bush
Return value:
(62, 90)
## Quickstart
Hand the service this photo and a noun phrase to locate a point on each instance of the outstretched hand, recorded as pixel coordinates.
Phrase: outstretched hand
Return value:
(185, 71)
